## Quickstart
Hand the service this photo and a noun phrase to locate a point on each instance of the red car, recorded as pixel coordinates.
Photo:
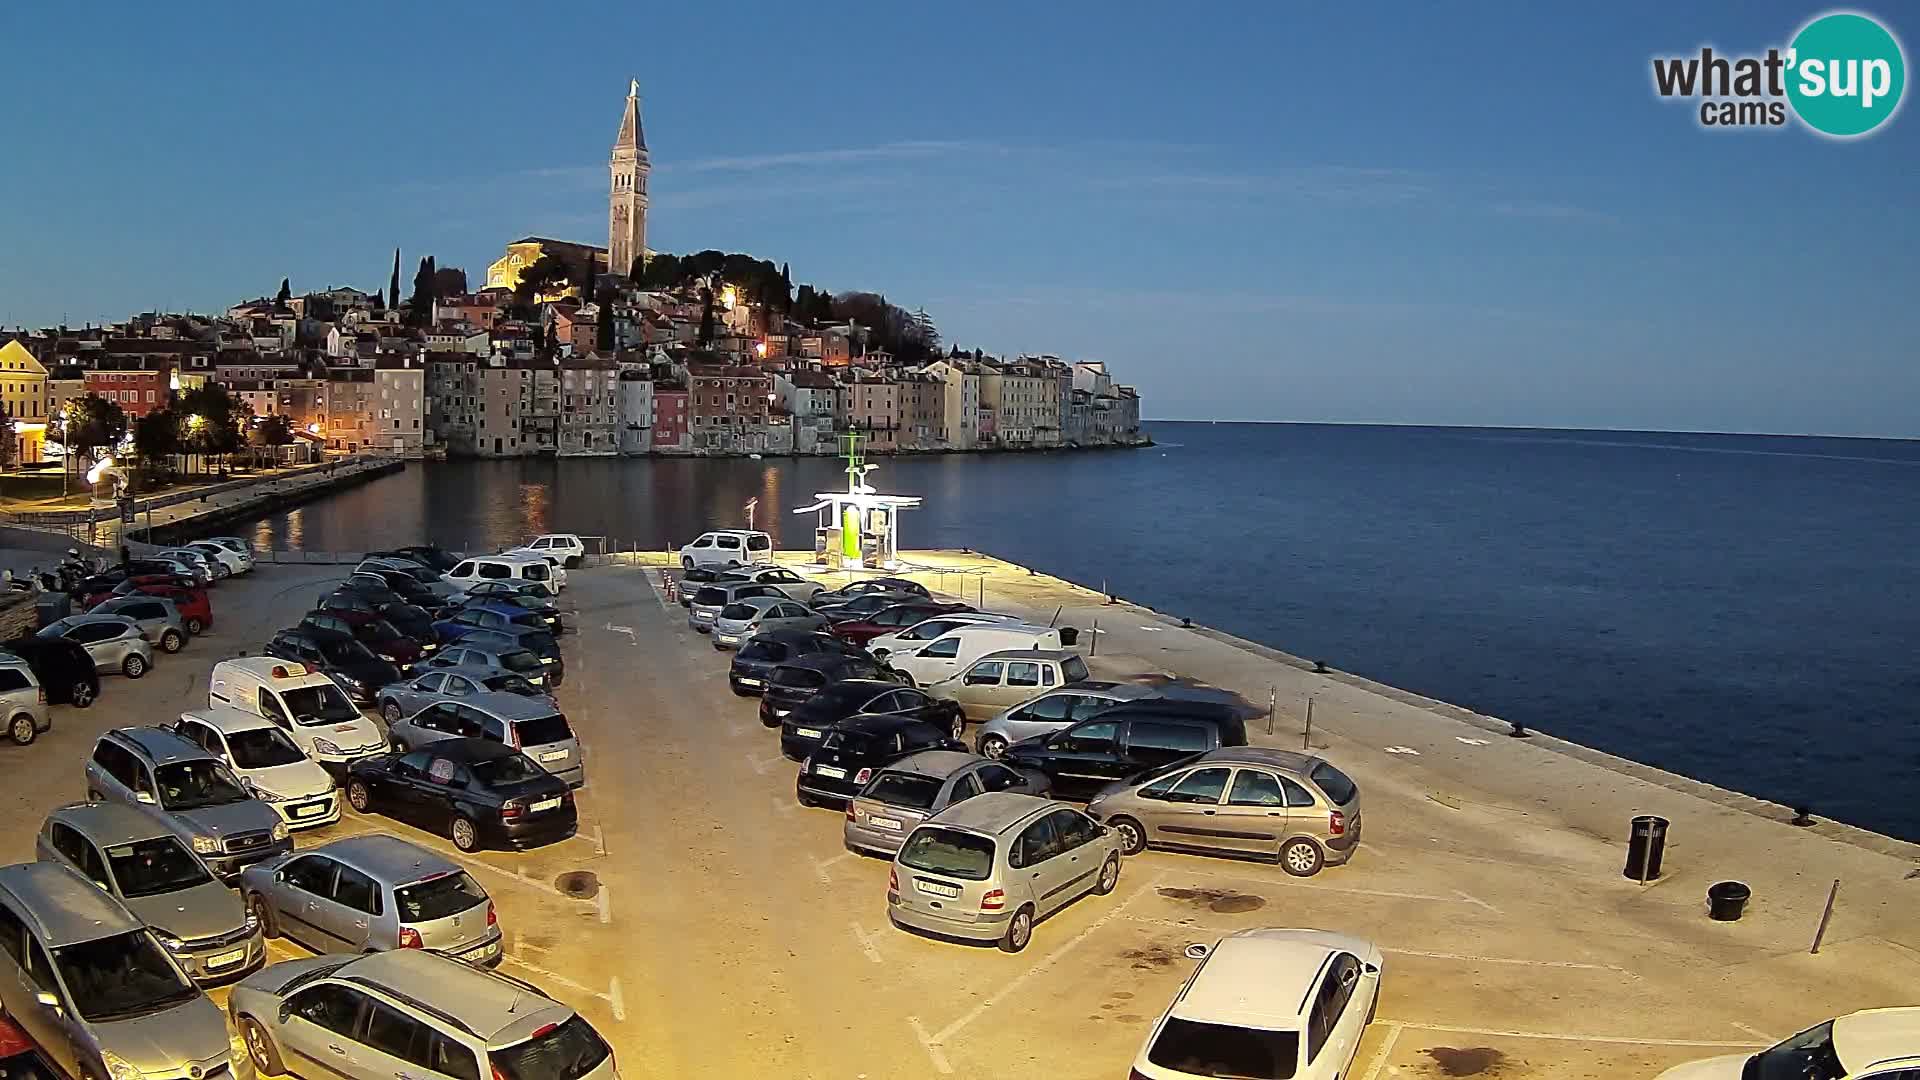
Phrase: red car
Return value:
(196, 609)
(20, 1057)
(887, 620)
(106, 586)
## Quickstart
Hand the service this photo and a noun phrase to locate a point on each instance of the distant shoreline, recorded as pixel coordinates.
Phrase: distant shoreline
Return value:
(1528, 427)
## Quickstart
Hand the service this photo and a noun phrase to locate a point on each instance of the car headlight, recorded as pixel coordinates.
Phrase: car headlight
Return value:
(279, 830)
(389, 658)
(118, 1068)
(263, 794)
(253, 921)
(206, 845)
(325, 746)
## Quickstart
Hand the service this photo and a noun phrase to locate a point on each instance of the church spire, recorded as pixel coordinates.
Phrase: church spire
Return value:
(632, 136)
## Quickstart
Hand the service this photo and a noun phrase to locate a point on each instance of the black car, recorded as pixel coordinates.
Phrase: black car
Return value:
(415, 622)
(802, 729)
(795, 681)
(63, 667)
(857, 746)
(381, 637)
(873, 585)
(754, 661)
(476, 791)
(430, 556)
(530, 595)
(1127, 740)
(860, 606)
(407, 586)
(402, 589)
(360, 673)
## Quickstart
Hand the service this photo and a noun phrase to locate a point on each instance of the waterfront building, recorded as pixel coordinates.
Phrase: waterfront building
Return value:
(671, 432)
(453, 402)
(960, 415)
(636, 412)
(815, 403)
(350, 408)
(922, 404)
(137, 390)
(400, 392)
(589, 405)
(504, 393)
(873, 408)
(729, 407)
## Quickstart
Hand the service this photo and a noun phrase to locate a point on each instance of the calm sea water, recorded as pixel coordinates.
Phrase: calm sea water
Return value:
(1743, 609)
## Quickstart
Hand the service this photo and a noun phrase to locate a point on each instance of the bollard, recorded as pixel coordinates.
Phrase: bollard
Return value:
(1093, 640)
(1826, 914)
(1646, 844)
(1306, 740)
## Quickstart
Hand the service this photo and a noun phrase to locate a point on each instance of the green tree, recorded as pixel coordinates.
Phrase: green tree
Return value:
(420, 304)
(156, 438)
(603, 327)
(285, 294)
(211, 419)
(271, 433)
(548, 274)
(393, 285)
(706, 317)
(449, 281)
(6, 439)
(93, 422)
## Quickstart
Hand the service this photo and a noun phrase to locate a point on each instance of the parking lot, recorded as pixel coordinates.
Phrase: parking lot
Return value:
(710, 926)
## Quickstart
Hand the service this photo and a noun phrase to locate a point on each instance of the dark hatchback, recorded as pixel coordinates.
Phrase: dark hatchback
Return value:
(892, 618)
(431, 556)
(872, 585)
(1127, 740)
(691, 580)
(360, 673)
(410, 620)
(803, 728)
(861, 606)
(381, 637)
(476, 791)
(798, 679)
(64, 668)
(859, 746)
(754, 661)
(538, 642)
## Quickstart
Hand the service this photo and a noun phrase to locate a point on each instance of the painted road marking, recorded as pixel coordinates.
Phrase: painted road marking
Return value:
(611, 996)
(599, 841)
(782, 806)
(1561, 1036)
(1403, 750)
(1469, 742)
(603, 904)
(1468, 958)
(1386, 1048)
(761, 765)
(1459, 897)
(1756, 1033)
(820, 866)
(866, 943)
(933, 1050)
(627, 630)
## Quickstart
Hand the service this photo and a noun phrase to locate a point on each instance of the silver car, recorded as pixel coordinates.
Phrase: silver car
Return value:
(533, 726)
(793, 585)
(373, 892)
(300, 1017)
(403, 699)
(918, 786)
(144, 866)
(23, 701)
(464, 655)
(988, 868)
(159, 620)
(115, 642)
(746, 617)
(709, 599)
(191, 792)
(204, 569)
(112, 1003)
(1053, 711)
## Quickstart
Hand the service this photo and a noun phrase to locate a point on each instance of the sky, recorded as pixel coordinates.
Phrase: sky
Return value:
(1393, 213)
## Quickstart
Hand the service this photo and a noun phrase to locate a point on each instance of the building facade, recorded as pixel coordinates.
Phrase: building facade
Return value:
(729, 407)
(671, 432)
(400, 403)
(636, 413)
(589, 406)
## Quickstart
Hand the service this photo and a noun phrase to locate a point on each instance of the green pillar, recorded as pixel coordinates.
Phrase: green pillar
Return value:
(850, 532)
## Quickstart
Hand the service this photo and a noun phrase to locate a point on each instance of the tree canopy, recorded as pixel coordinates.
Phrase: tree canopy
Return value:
(156, 438)
(93, 422)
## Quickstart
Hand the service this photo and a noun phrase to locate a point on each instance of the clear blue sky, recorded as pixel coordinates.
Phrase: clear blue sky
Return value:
(1399, 213)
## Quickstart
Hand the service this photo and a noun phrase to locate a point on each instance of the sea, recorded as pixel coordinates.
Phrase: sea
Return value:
(1742, 609)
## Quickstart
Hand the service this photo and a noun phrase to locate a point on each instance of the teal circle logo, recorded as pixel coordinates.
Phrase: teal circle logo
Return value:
(1846, 74)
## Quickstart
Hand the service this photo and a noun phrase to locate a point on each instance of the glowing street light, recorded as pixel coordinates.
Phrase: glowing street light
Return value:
(196, 422)
(761, 348)
(99, 469)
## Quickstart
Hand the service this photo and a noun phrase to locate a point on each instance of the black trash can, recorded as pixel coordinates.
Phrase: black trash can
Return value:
(1727, 900)
(1645, 847)
(1069, 637)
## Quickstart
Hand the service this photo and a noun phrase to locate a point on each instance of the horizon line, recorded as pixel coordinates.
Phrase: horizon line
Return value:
(1533, 427)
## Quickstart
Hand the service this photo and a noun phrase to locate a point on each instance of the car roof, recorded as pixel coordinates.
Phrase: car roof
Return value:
(386, 858)
(874, 723)
(81, 620)
(733, 532)
(878, 686)
(787, 635)
(228, 720)
(1875, 1035)
(483, 1002)
(762, 603)
(261, 667)
(938, 764)
(521, 558)
(1107, 688)
(63, 907)
(108, 823)
(509, 706)
(993, 812)
(1291, 760)
(1054, 655)
(161, 746)
(823, 662)
(1024, 629)
(1261, 978)
(468, 751)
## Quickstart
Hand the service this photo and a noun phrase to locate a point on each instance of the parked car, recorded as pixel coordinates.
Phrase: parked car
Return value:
(64, 668)
(917, 634)
(1296, 809)
(504, 568)
(857, 747)
(486, 615)
(23, 704)
(1127, 740)
(988, 868)
(191, 792)
(1052, 711)
(431, 556)
(465, 655)
(744, 618)
(115, 642)
(872, 585)
(802, 729)
(21, 1058)
(158, 619)
(200, 561)
(531, 596)
(538, 642)
(180, 562)
(727, 548)
(139, 862)
(267, 761)
(338, 656)
(1873, 1044)
(863, 629)
(918, 786)
(371, 893)
(115, 1004)
(475, 791)
(1001, 680)
(381, 637)
(409, 619)
(411, 582)
(293, 1015)
(393, 587)
(957, 649)
(231, 543)
(709, 599)
(795, 586)
(531, 590)
(862, 606)
(534, 726)
(1268, 1003)
(193, 604)
(403, 699)
(691, 580)
(755, 660)
(233, 561)
(564, 546)
(309, 706)
(800, 677)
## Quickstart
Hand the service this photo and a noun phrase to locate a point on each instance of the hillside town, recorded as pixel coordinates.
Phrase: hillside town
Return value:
(571, 349)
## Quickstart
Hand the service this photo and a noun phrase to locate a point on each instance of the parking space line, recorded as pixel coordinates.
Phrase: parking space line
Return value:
(761, 765)
(603, 904)
(1756, 1033)
(933, 1050)
(616, 999)
(515, 874)
(599, 841)
(782, 806)
(820, 866)
(611, 996)
(1560, 1036)
(866, 943)
(656, 580)
(1458, 897)
(1386, 1049)
(1468, 958)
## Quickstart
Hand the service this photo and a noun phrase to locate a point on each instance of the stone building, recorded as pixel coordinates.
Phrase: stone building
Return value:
(400, 393)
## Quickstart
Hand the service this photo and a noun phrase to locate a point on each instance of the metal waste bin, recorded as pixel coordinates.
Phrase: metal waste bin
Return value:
(1727, 900)
(1645, 846)
(51, 607)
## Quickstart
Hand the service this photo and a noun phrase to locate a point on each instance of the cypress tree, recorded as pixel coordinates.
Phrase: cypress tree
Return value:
(393, 285)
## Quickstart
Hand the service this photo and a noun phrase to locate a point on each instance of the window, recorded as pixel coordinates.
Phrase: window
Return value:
(1334, 783)
(1036, 844)
(1071, 828)
(1252, 788)
(1054, 708)
(947, 648)
(1167, 738)
(448, 1057)
(357, 891)
(1342, 974)
(313, 874)
(391, 1031)
(12, 934)
(985, 673)
(1202, 1049)
(1098, 738)
(1023, 673)
(495, 570)
(963, 789)
(13, 679)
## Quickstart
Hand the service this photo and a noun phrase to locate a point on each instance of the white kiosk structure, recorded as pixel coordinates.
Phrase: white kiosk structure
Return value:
(859, 528)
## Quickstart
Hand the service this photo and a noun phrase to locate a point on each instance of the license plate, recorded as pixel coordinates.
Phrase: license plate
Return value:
(935, 888)
(886, 823)
(807, 732)
(545, 804)
(226, 959)
(830, 772)
(309, 811)
(750, 682)
(554, 755)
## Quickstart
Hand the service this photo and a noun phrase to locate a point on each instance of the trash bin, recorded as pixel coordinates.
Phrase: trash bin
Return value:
(1069, 637)
(51, 607)
(1727, 900)
(1645, 846)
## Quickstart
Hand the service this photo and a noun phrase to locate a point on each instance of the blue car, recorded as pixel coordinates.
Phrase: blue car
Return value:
(487, 615)
(536, 641)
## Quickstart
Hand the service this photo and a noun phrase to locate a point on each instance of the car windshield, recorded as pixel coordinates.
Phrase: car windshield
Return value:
(1199, 1049)
(1335, 783)
(566, 1052)
(316, 705)
(949, 851)
(344, 651)
(439, 897)
(542, 730)
(520, 660)
(1073, 669)
(541, 642)
(189, 785)
(903, 789)
(1807, 1056)
(121, 977)
(262, 748)
(151, 867)
(843, 697)
(502, 771)
(738, 612)
(511, 684)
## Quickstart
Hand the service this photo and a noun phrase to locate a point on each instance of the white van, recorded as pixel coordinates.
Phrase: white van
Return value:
(565, 546)
(953, 651)
(310, 707)
(471, 572)
(727, 548)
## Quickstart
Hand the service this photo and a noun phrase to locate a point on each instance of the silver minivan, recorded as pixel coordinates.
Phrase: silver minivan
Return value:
(85, 979)
(115, 642)
(23, 702)
(144, 866)
(191, 792)
(917, 787)
(531, 725)
(988, 868)
(373, 892)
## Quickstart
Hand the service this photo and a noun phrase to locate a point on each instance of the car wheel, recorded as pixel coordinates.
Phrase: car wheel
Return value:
(1133, 838)
(465, 834)
(1109, 876)
(171, 641)
(733, 564)
(993, 747)
(263, 911)
(806, 799)
(266, 1057)
(21, 730)
(959, 729)
(1301, 858)
(686, 562)
(571, 562)
(359, 796)
(1019, 930)
(390, 712)
(134, 666)
(81, 695)
(905, 679)
(880, 654)
(221, 571)
(195, 626)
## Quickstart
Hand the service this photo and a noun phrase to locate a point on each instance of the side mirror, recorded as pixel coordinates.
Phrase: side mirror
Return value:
(280, 875)
(143, 797)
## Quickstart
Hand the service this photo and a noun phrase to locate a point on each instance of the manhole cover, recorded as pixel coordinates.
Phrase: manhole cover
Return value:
(579, 884)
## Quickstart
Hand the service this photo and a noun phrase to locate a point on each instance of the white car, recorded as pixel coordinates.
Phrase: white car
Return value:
(565, 545)
(1877, 1044)
(231, 543)
(727, 549)
(1267, 1003)
(795, 586)
(912, 637)
(191, 563)
(267, 761)
(226, 561)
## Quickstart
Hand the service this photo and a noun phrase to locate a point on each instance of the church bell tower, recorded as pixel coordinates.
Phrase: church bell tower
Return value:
(627, 191)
